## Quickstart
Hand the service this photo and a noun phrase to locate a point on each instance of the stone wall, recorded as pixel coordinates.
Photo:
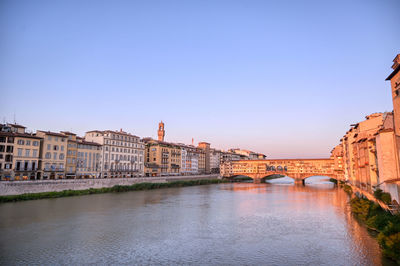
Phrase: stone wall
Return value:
(22, 187)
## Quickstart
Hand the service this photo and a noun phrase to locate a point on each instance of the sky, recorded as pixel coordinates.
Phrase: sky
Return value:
(284, 78)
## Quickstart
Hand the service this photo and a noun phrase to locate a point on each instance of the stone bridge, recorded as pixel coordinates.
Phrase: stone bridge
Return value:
(298, 169)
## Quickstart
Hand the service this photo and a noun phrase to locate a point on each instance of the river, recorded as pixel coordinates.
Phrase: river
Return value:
(278, 223)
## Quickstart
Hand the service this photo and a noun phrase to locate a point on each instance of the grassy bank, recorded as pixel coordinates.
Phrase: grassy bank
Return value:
(118, 188)
(386, 224)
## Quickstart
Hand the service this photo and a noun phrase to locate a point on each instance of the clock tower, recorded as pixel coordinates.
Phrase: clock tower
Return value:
(161, 131)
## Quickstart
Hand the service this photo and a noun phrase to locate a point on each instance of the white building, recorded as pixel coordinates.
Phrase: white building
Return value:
(190, 160)
(215, 161)
(122, 153)
(88, 162)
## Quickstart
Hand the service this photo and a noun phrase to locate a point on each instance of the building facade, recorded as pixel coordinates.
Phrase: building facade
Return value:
(162, 158)
(367, 155)
(53, 151)
(72, 152)
(19, 153)
(122, 154)
(215, 161)
(204, 163)
(88, 162)
(190, 160)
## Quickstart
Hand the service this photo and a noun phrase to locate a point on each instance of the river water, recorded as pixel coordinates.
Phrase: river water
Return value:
(278, 223)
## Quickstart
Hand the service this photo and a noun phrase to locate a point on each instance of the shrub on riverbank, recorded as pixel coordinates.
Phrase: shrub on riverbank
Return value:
(386, 224)
(347, 189)
(383, 196)
(333, 180)
(117, 188)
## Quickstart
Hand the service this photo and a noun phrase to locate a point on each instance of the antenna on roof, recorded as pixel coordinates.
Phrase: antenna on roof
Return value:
(14, 119)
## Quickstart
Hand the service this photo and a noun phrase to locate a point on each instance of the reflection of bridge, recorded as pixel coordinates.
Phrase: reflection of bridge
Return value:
(298, 169)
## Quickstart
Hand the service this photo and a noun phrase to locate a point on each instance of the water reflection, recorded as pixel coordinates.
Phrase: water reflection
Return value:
(273, 223)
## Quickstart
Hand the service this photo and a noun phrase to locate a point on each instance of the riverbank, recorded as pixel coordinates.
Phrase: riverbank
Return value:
(39, 186)
(372, 215)
(116, 188)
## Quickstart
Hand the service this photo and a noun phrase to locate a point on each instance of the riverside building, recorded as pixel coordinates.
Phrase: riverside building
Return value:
(19, 153)
(190, 160)
(162, 158)
(52, 154)
(88, 163)
(215, 161)
(369, 154)
(204, 163)
(72, 152)
(122, 154)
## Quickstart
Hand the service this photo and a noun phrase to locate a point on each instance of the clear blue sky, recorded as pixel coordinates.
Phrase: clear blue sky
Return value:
(285, 78)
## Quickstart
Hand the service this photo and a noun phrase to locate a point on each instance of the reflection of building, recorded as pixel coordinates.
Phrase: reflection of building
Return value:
(52, 154)
(122, 153)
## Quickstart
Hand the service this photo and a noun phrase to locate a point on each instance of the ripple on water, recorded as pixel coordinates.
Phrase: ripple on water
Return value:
(227, 224)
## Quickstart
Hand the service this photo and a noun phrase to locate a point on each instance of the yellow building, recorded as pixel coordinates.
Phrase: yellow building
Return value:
(72, 152)
(52, 154)
(23, 155)
(161, 158)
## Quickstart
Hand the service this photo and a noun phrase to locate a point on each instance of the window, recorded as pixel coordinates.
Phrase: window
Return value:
(56, 138)
(19, 152)
(20, 142)
(27, 152)
(34, 153)
(48, 155)
(49, 137)
(62, 148)
(48, 146)
(10, 140)
(55, 147)
(61, 156)
(35, 143)
(55, 155)
(2, 148)
(3, 139)
(8, 158)
(28, 142)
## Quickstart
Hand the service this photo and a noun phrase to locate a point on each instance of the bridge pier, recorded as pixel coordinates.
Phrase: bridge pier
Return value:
(257, 180)
(300, 181)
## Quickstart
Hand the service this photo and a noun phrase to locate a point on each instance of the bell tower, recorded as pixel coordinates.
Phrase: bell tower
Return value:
(161, 131)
